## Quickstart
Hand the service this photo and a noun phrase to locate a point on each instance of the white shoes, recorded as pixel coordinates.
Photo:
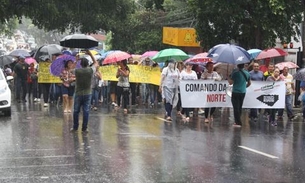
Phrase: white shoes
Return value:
(45, 105)
(114, 104)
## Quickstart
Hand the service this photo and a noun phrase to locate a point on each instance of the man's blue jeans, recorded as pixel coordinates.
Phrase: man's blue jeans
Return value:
(84, 102)
(288, 105)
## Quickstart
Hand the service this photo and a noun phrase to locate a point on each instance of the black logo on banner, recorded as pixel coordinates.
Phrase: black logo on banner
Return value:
(270, 100)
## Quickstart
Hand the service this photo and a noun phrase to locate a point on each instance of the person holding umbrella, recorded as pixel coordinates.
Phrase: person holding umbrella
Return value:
(169, 87)
(123, 85)
(67, 88)
(82, 96)
(240, 79)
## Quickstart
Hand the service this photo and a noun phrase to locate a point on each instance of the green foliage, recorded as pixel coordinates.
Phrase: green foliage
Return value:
(253, 24)
(8, 27)
(139, 32)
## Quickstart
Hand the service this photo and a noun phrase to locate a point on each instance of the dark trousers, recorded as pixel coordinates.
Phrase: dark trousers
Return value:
(272, 115)
(253, 113)
(121, 91)
(209, 111)
(186, 111)
(237, 100)
(35, 88)
(46, 91)
(168, 109)
(133, 87)
(21, 86)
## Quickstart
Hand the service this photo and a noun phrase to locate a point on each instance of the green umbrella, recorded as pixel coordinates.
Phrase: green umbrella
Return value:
(169, 53)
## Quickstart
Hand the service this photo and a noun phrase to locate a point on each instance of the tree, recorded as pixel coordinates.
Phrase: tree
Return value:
(9, 26)
(140, 32)
(75, 15)
(252, 24)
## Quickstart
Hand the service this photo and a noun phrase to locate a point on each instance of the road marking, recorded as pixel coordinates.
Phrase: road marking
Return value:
(259, 152)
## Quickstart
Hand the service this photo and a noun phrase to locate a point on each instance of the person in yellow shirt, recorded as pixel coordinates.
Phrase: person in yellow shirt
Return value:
(269, 72)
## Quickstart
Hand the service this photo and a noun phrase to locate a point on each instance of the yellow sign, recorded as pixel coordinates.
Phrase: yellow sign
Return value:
(180, 36)
(138, 74)
(44, 75)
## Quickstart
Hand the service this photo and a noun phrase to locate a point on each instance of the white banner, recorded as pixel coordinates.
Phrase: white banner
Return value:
(204, 93)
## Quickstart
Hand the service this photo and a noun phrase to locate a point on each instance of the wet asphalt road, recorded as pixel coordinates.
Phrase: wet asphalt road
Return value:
(36, 146)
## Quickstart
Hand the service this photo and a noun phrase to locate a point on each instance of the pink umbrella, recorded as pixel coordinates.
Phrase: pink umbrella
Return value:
(116, 56)
(149, 54)
(288, 64)
(30, 60)
(200, 58)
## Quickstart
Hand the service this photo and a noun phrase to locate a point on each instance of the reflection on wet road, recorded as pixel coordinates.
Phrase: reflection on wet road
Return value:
(36, 146)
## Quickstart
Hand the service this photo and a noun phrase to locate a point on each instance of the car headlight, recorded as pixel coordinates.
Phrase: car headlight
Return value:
(3, 89)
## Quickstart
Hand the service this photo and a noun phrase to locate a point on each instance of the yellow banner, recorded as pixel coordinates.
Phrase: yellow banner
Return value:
(138, 74)
(180, 36)
(44, 75)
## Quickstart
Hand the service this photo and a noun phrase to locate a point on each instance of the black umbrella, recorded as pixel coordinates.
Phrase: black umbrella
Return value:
(6, 60)
(48, 50)
(79, 41)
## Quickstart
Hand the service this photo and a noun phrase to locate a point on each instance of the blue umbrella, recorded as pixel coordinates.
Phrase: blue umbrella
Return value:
(227, 53)
(254, 53)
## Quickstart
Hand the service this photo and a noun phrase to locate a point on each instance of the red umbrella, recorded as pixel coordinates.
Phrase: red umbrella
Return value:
(116, 56)
(199, 58)
(30, 60)
(288, 64)
(270, 53)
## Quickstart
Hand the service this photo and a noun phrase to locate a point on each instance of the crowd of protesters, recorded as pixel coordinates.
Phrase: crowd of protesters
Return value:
(122, 93)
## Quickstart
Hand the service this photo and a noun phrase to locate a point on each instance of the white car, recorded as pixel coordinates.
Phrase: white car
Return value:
(5, 94)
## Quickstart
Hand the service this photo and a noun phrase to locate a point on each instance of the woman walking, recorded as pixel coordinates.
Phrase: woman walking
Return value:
(187, 74)
(275, 77)
(210, 74)
(67, 88)
(169, 87)
(123, 85)
(96, 88)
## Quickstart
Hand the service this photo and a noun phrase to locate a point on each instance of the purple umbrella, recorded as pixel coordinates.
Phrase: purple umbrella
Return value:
(59, 64)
